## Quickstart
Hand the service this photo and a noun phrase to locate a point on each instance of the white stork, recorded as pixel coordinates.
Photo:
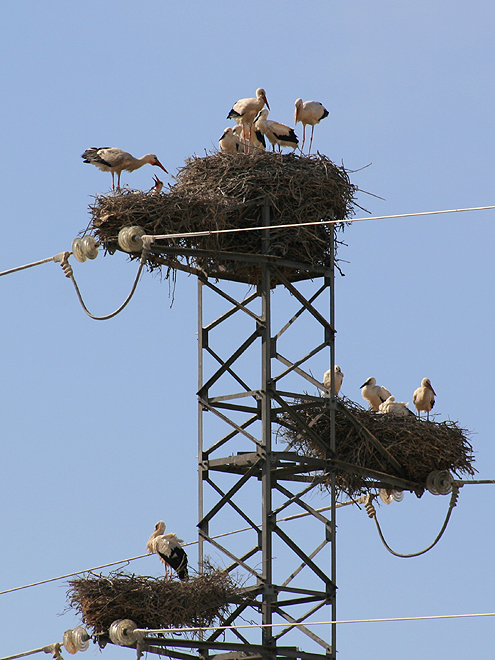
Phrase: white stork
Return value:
(229, 141)
(337, 379)
(374, 394)
(111, 159)
(393, 407)
(169, 548)
(309, 112)
(245, 110)
(276, 132)
(257, 139)
(424, 398)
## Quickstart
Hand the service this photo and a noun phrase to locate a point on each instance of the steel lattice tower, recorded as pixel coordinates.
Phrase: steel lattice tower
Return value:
(244, 480)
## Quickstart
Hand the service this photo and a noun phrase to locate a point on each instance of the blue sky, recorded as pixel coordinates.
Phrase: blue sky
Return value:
(99, 418)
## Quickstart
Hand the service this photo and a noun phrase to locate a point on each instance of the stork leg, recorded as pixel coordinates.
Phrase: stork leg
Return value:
(113, 182)
(304, 138)
(311, 141)
(249, 143)
(244, 137)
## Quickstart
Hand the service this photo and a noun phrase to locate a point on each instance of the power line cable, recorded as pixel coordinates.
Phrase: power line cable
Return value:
(160, 631)
(284, 226)
(313, 223)
(359, 500)
(310, 623)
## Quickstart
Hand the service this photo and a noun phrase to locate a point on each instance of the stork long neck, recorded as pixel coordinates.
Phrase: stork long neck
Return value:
(137, 163)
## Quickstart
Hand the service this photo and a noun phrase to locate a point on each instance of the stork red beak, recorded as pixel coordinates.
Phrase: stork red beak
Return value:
(431, 388)
(266, 103)
(160, 165)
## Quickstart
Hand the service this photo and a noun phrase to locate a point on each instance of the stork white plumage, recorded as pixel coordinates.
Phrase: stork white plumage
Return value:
(111, 159)
(393, 407)
(229, 141)
(424, 398)
(374, 394)
(257, 140)
(245, 110)
(169, 548)
(337, 379)
(276, 132)
(309, 112)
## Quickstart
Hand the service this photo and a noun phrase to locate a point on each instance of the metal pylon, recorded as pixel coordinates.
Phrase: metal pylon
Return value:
(246, 480)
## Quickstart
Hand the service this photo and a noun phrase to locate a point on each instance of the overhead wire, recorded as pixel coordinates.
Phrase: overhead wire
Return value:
(313, 223)
(284, 226)
(311, 623)
(372, 514)
(161, 631)
(217, 536)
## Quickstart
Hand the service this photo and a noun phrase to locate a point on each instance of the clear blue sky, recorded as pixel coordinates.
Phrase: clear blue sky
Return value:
(98, 419)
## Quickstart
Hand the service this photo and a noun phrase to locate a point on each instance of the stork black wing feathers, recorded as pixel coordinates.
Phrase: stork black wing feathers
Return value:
(178, 561)
(91, 156)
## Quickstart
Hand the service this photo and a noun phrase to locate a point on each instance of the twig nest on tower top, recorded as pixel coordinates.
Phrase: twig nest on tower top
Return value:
(227, 191)
(419, 447)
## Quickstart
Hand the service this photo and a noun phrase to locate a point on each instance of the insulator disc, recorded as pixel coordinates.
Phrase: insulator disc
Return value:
(77, 250)
(80, 638)
(443, 482)
(121, 632)
(430, 483)
(385, 496)
(130, 239)
(88, 247)
(398, 495)
(69, 643)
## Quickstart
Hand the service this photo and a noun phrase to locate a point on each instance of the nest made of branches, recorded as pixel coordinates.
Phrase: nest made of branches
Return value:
(152, 602)
(226, 191)
(419, 446)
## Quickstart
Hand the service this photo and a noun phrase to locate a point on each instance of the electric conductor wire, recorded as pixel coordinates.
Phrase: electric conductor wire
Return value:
(360, 500)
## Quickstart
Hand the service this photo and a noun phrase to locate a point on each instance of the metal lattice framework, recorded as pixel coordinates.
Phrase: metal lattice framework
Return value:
(244, 482)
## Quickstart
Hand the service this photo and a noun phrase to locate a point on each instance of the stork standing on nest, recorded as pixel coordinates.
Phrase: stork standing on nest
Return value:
(374, 394)
(424, 398)
(337, 379)
(309, 112)
(169, 548)
(276, 132)
(111, 159)
(245, 110)
(393, 407)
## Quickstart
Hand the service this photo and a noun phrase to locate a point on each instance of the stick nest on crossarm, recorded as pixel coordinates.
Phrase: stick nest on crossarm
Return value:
(152, 602)
(420, 447)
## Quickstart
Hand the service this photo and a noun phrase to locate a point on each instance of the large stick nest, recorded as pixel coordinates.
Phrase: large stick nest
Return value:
(420, 447)
(152, 602)
(224, 191)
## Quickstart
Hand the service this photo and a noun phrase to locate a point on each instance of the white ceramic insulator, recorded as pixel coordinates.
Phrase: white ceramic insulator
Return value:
(121, 632)
(129, 239)
(77, 250)
(89, 247)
